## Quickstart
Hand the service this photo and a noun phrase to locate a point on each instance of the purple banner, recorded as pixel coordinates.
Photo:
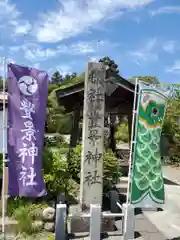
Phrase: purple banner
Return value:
(27, 98)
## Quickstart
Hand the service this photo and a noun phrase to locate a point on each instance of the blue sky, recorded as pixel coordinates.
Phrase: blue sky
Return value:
(142, 36)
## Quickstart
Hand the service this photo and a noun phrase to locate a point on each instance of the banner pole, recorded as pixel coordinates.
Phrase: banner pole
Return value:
(131, 151)
(4, 153)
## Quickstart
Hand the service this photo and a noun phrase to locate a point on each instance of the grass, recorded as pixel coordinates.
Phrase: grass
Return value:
(25, 221)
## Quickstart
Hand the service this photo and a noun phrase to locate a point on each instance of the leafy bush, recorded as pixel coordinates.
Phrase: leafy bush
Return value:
(51, 237)
(171, 128)
(13, 204)
(122, 133)
(25, 220)
(1, 163)
(57, 121)
(75, 162)
(56, 173)
(54, 140)
(35, 210)
(111, 168)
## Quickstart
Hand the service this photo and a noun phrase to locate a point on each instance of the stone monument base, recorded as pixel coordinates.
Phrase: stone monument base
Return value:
(78, 224)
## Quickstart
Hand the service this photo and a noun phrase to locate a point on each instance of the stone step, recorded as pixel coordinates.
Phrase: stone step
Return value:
(122, 185)
(123, 179)
(122, 188)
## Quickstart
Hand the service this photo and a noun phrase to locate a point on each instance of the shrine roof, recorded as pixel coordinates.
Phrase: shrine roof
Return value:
(72, 95)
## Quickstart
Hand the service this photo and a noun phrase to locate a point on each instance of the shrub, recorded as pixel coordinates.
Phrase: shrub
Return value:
(55, 140)
(24, 219)
(112, 170)
(122, 133)
(25, 216)
(35, 210)
(51, 237)
(171, 128)
(56, 173)
(1, 163)
(75, 162)
(13, 204)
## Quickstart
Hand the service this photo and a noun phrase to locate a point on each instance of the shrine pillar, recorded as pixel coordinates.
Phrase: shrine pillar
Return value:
(91, 185)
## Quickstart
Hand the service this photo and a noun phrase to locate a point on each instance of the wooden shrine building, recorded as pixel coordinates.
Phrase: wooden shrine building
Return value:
(119, 99)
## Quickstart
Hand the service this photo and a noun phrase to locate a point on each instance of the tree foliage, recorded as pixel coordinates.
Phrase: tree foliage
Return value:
(56, 173)
(122, 133)
(147, 79)
(57, 121)
(171, 128)
(57, 78)
(1, 84)
(110, 63)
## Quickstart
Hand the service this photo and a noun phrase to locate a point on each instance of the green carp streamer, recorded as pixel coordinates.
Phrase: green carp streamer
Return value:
(147, 178)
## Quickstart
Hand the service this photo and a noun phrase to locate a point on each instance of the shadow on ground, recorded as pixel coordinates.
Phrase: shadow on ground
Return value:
(169, 182)
(103, 236)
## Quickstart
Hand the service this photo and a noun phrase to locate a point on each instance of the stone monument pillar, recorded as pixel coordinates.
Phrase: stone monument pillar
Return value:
(106, 129)
(93, 136)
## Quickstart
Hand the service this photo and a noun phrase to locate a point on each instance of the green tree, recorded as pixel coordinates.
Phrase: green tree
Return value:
(147, 79)
(1, 84)
(67, 78)
(57, 121)
(172, 120)
(56, 173)
(171, 128)
(175, 89)
(73, 75)
(110, 63)
(57, 78)
(52, 87)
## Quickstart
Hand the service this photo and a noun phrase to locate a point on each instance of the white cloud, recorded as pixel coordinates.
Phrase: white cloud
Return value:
(15, 49)
(63, 69)
(167, 10)
(146, 53)
(34, 52)
(36, 65)
(21, 27)
(8, 11)
(94, 59)
(170, 47)
(75, 16)
(3, 65)
(175, 68)
(10, 17)
(84, 48)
